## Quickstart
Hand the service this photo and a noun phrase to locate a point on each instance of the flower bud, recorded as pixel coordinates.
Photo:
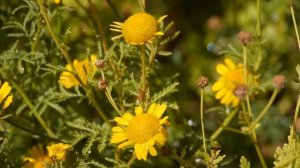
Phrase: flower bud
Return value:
(99, 63)
(202, 81)
(241, 92)
(244, 37)
(279, 81)
(102, 84)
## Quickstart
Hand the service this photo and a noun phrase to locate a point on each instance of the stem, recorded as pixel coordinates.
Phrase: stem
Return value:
(131, 161)
(245, 59)
(297, 110)
(142, 5)
(258, 33)
(267, 107)
(31, 107)
(58, 44)
(234, 130)
(295, 25)
(223, 125)
(201, 119)
(36, 38)
(143, 80)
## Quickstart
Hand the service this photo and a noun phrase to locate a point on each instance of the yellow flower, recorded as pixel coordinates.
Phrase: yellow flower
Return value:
(57, 1)
(142, 131)
(36, 158)
(232, 75)
(4, 92)
(85, 70)
(138, 28)
(58, 151)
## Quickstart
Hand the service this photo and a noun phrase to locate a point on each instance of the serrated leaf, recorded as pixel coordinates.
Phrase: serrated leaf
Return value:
(166, 91)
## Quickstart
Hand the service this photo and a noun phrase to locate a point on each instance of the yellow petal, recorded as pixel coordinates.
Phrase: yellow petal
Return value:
(218, 85)
(164, 120)
(152, 151)
(152, 108)
(7, 101)
(118, 137)
(127, 116)
(235, 102)
(138, 110)
(227, 98)
(140, 151)
(160, 19)
(230, 64)
(4, 91)
(117, 129)
(159, 33)
(121, 121)
(222, 69)
(125, 144)
(160, 109)
(160, 138)
(221, 93)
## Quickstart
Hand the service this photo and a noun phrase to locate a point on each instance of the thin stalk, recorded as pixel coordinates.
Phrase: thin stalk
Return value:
(267, 107)
(234, 130)
(295, 25)
(227, 120)
(258, 34)
(201, 118)
(245, 59)
(31, 107)
(143, 80)
(36, 38)
(131, 161)
(297, 110)
(142, 5)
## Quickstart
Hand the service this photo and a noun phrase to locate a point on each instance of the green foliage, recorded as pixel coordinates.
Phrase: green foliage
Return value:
(244, 162)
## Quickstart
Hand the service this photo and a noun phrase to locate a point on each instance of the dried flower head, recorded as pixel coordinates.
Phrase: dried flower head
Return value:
(244, 37)
(99, 63)
(58, 151)
(85, 70)
(142, 131)
(202, 81)
(279, 81)
(102, 84)
(5, 98)
(241, 92)
(138, 28)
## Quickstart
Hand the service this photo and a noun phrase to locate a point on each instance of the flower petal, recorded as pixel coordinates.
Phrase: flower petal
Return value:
(125, 144)
(121, 121)
(222, 69)
(235, 102)
(117, 129)
(7, 102)
(164, 120)
(221, 93)
(151, 108)
(160, 109)
(152, 151)
(218, 85)
(118, 137)
(127, 116)
(141, 151)
(160, 138)
(4, 91)
(230, 64)
(138, 110)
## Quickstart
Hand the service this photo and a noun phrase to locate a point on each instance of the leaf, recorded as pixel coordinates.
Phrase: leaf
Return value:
(164, 53)
(166, 91)
(244, 162)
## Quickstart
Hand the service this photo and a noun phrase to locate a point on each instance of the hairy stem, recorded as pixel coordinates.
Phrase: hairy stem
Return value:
(143, 80)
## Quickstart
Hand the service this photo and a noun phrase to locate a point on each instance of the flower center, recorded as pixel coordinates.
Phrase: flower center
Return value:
(139, 28)
(234, 78)
(142, 128)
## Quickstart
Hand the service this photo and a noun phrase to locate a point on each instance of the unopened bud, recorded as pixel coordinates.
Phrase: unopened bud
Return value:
(241, 92)
(102, 84)
(99, 63)
(202, 81)
(244, 37)
(279, 81)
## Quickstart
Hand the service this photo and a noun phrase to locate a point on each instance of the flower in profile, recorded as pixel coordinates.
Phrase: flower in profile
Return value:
(5, 98)
(142, 130)
(138, 28)
(58, 151)
(232, 76)
(37, 157)
(85, 70)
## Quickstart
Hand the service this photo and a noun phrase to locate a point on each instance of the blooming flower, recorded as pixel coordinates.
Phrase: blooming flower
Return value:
(232, 75)
(58, 151)
(85, 70)
(142, 131)
(138, 28)
(36, 158)
(4, 92)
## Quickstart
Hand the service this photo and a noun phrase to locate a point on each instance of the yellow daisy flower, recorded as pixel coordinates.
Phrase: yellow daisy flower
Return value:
(4, 92)
(232, 75)
(36, 158)
(138, 28)
(85, 70)
(142, 131)
(58, 151)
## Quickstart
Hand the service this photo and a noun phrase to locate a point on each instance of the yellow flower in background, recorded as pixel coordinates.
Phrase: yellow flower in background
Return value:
(36, 158)
(138, 28)
(5, 98)
(232, 76)
(142, 131)
(57, 1)
(85, 70)
(58, 151)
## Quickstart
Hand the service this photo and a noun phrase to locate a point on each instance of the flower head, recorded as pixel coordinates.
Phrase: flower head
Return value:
(5, 98)
(85, 70)
(37, 158)
(138, 28)
(232, 76)
(142, 131)
(58, 151)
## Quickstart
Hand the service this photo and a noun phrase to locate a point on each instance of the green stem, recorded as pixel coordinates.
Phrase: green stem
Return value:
(31, 107)
(131, 161)
(201, 119)
(143, 81)
(234, 130)
(245, 59)
(142, 5)
(227, 120)
(36, 38)
(267, 107)
(295, 25)
(297, 110)
(258, 34)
